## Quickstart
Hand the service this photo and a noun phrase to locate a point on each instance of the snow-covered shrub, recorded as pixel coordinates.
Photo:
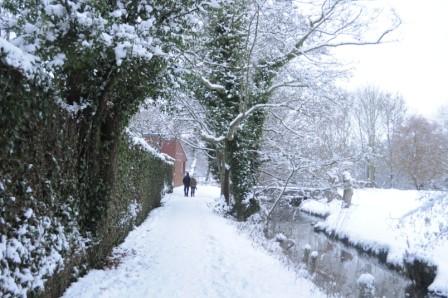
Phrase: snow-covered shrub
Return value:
(284, 242)
(366, 285)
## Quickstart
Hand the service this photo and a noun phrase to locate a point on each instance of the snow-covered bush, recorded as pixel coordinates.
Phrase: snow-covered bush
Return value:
(366, 284)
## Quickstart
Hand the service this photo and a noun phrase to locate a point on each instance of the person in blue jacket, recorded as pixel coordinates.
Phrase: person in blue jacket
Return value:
(186, 182)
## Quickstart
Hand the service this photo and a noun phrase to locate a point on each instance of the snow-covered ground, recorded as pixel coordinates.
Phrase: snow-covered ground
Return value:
(184, 249)
(405, 223)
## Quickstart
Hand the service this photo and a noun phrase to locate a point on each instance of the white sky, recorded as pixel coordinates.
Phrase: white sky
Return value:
(416, 64)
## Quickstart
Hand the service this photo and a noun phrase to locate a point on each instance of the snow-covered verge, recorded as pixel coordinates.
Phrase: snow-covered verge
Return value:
(406, 225)
(277, 245)
(184, 249)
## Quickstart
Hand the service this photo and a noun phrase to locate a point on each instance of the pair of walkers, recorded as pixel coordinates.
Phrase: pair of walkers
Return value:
(190, 184)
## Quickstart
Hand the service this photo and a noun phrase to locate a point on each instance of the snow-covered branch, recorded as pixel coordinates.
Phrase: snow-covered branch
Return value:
(233, 125)
(211, 86)
(212, 139)
(290, 84)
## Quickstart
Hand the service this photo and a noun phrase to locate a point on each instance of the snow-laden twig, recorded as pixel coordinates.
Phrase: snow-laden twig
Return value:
(212, 86)
(233, 125)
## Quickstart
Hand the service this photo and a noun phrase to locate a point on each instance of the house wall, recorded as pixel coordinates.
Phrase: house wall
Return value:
(178, 173)
(179, 165)
(174, 149)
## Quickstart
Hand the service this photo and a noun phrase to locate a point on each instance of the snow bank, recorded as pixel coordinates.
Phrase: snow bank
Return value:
(440, 284)
(315, 207)
(405, 224)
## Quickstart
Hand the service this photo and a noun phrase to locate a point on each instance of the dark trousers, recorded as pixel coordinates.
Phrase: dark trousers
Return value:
(186, 187)
(193, 189)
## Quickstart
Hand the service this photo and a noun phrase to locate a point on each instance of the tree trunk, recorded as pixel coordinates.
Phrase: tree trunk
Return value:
(225, 173)
(370, 171)
(370, 161)
(226, 186)
(207, 176)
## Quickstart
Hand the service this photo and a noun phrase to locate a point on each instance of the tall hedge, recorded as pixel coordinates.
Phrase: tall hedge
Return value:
(141, 180)
(72, 74)
(43, 245)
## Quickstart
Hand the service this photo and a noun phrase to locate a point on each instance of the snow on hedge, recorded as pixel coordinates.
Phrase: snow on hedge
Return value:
(131, 213)
(405, 223)
(32, 33)
(17, 58)
(142, 143)
(34, 252)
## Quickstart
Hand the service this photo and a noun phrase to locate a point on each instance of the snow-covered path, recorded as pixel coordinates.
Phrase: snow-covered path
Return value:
(185, 250)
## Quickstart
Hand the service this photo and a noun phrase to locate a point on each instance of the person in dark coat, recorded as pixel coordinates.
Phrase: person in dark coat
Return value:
(193, 186)
(186, 182)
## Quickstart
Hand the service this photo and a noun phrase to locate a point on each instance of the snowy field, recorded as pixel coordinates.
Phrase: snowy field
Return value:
(405, 223)
(183, 250)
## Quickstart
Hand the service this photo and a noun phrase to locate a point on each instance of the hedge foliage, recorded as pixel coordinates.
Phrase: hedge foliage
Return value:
(43, 244)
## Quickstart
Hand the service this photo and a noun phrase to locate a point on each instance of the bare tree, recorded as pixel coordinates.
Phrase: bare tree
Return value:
(420, 151)
(442, 117)
(394, 109)
(312, 143)
(368, 110)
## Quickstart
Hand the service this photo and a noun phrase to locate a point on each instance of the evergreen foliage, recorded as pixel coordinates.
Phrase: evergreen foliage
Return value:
(236, 161)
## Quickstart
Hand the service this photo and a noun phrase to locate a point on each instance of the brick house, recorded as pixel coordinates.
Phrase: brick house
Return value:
(172, 147)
